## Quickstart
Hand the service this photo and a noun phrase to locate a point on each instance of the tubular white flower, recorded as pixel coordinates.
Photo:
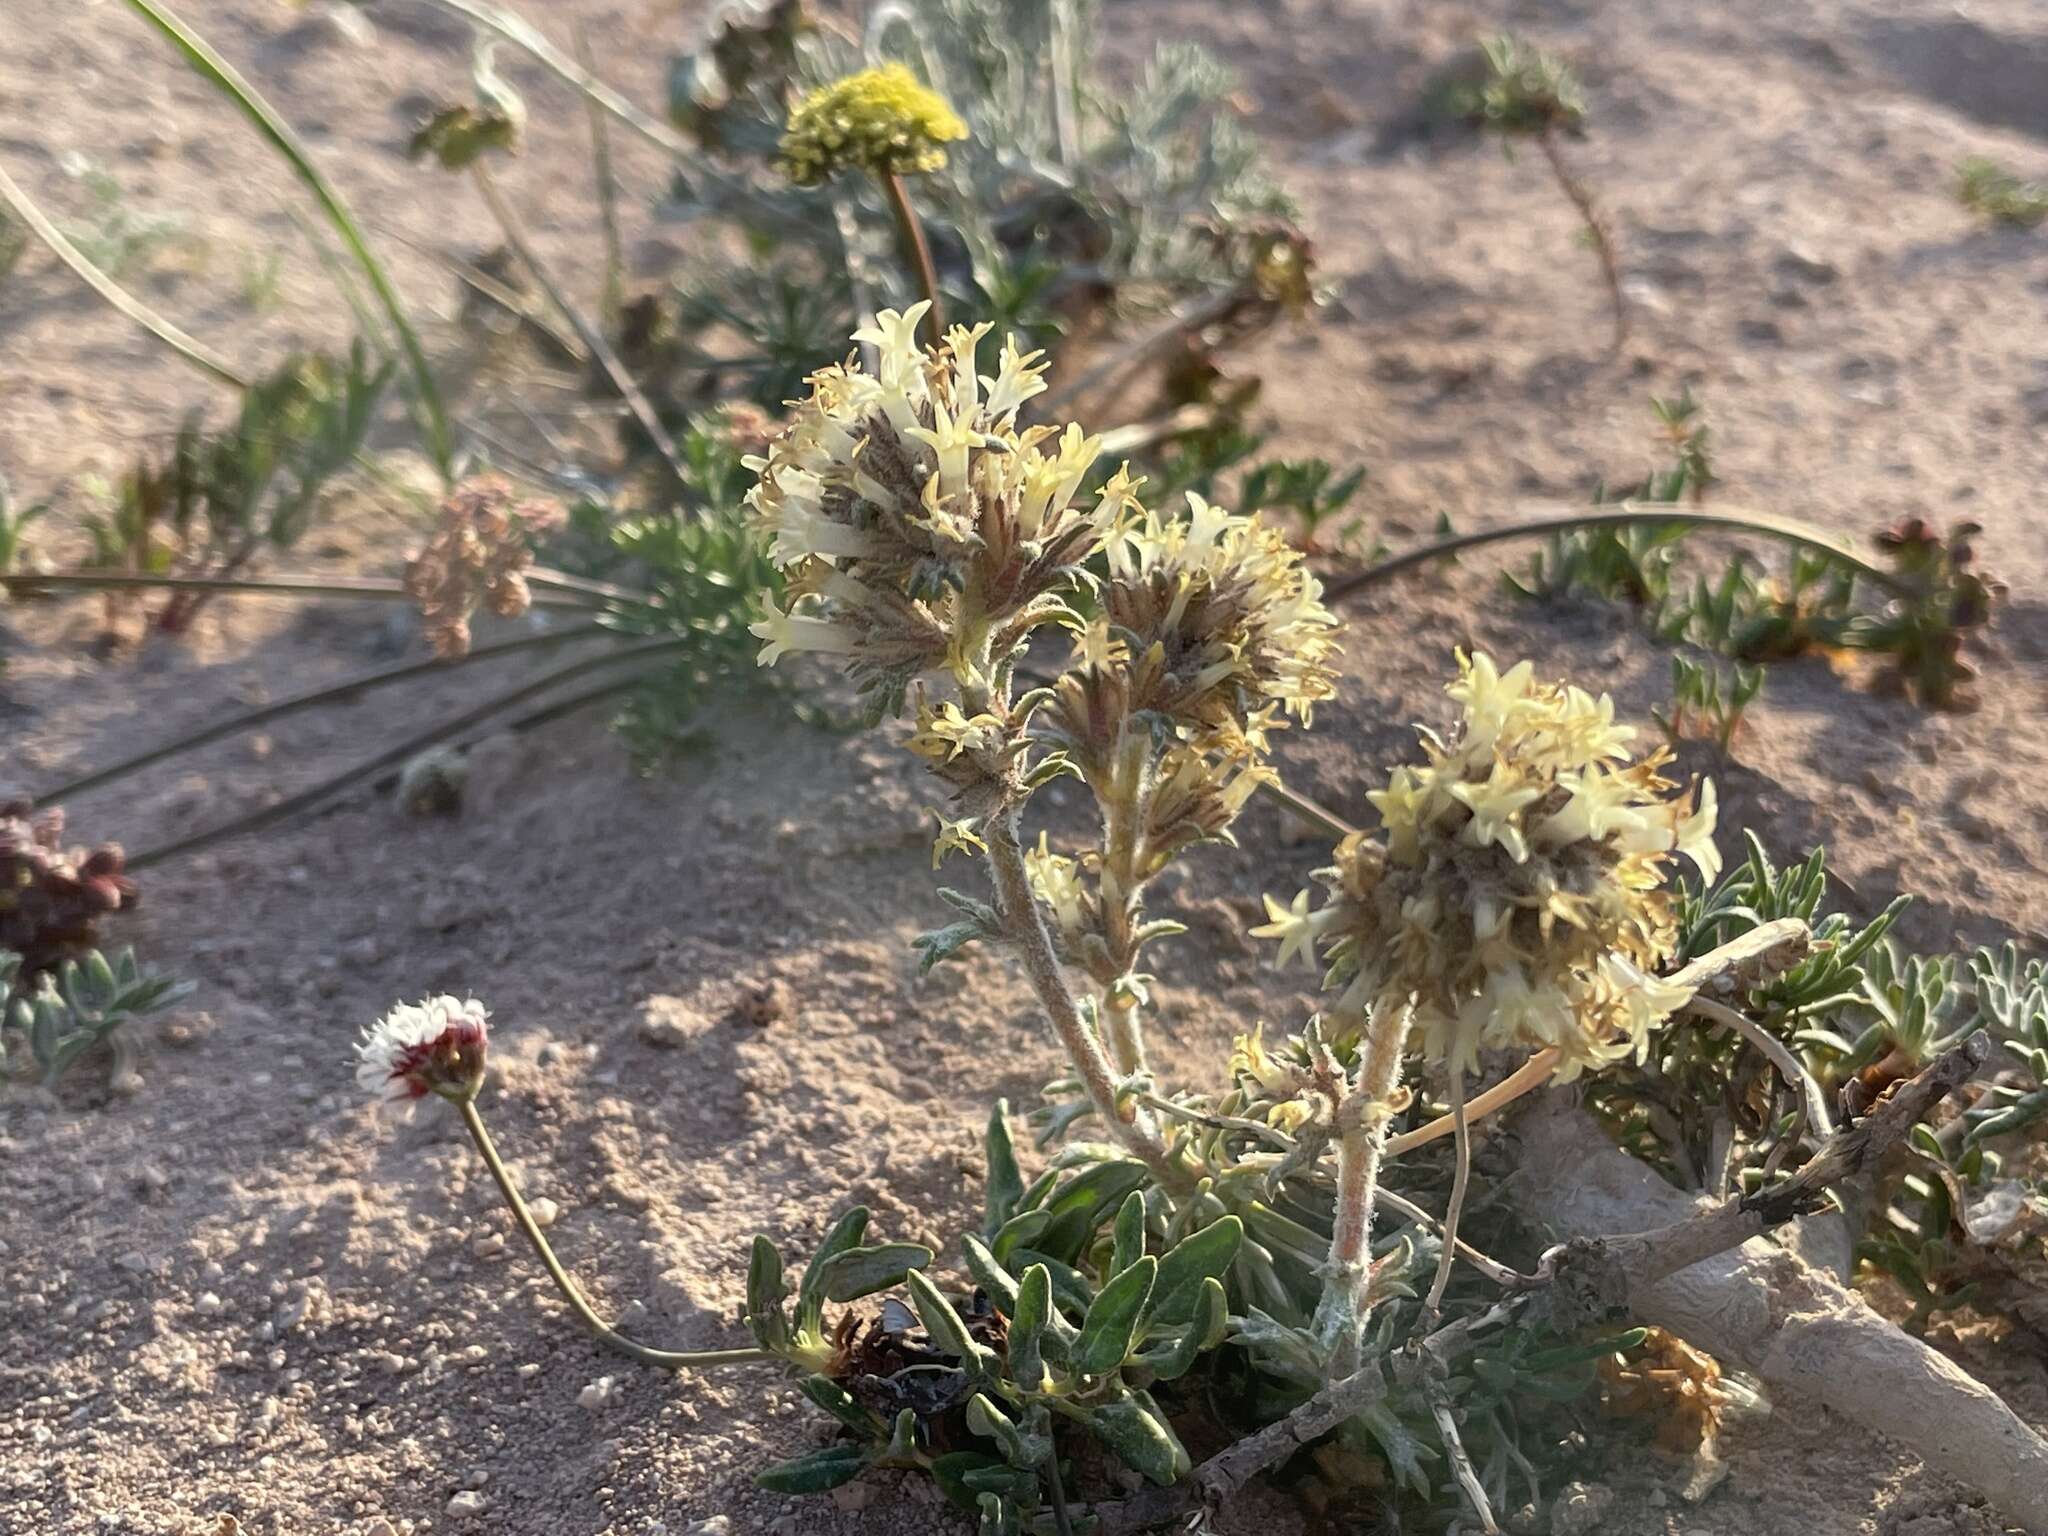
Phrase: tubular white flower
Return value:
(785, 632)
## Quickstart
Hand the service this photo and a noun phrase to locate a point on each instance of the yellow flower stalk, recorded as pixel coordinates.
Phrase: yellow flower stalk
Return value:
(883, 121)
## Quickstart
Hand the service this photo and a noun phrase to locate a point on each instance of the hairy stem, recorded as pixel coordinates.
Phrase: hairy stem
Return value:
(667, 1359)
(1340, 1314)
(1596, 229)
(917, 251)
(1026, 929)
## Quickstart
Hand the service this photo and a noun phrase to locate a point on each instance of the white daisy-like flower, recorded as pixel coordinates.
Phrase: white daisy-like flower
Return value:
(436, 1045)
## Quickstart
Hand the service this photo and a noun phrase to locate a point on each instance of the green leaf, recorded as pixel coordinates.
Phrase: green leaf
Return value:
(1203, 1332)
(948, 1332)
(859, 1272)
(1128, 1236)
(1112, 1324)
(1005, 1181)
(765, 1294)
(838, 1402)
(1137, 1433)
(818, 1472)
(1070, 1288)
(1200, 1256)
(1023, 1446)
(843, 1234)
(964, 1476)
(999, 1516)
(1022, 1229)
(1078, 1207)
(1028, 1328)
(990, 1275)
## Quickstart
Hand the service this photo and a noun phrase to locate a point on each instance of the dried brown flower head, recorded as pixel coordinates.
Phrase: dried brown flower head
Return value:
(477, 558)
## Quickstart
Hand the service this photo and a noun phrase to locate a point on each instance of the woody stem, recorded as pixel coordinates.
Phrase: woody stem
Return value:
(916, 250)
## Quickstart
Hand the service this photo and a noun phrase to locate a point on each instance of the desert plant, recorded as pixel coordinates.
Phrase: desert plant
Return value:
(926, 536)
(112, 234)
(1522, 92)
(14, 521)
(82, 1004)
(1706, 701)
(221, 497)
(1992, 192)
(53, 897)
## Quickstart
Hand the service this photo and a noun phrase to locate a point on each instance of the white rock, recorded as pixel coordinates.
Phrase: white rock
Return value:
(597, 1395)
(468, 1502)
(544, 1211)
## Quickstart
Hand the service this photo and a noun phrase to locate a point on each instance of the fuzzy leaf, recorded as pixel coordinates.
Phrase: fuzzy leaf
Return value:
(1203, 1255)
(838, 1402)
(1028, 1328)
(1204, 1331)
(1070, 1288)
(1113, 1320)
(766, 1292)
(821, 1470)
(843, 1234)
(937, 944)
(1005, 1186)
(1023, 1228)
(948, 1332)
(1023, 1445)
(858, 1272)
(1128, 1236)
(964, 1476)
(999, 1516)
(1136, 1431)
(990, 1275)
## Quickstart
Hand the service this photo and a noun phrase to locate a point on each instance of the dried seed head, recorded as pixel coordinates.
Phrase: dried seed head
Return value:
(436, 1045)
(477, 558)
(1513, 894)
(882, 121)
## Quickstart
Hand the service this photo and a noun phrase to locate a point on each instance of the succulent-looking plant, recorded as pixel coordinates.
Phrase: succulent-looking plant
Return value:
(52, 897)
(78, 1006)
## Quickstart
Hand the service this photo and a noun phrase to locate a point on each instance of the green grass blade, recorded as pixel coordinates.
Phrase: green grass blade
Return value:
(198, 354)
(213, 67)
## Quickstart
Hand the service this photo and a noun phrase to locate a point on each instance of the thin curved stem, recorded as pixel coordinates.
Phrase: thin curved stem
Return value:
(1624, 514)
(374, 588)
(1796, 1076)
(667, 1359)
(1525, 1079)
(1460, 1181)
(916, 250)
(223, 75)
(1597, 232)
(318, 794)
(197, 353)
(312, 698)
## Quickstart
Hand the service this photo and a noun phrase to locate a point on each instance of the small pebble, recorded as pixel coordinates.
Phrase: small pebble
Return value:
(544, 1211)
(597, 1395)
(468, 1502)
(489, 1246)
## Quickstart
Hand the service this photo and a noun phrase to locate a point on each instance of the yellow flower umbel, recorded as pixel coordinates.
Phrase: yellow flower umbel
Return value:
(882, 121)
(1514, 898)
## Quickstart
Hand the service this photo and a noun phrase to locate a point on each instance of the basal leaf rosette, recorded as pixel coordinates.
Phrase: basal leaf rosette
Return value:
(882, 121)
(923, 529)
(1514, 892)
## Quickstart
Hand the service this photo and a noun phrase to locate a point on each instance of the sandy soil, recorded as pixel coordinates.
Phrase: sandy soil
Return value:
(237, 1293)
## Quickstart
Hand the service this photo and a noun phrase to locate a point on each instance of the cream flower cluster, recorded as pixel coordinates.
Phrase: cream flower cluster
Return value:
(1514, 894)
(1219, 615)
(920, 525)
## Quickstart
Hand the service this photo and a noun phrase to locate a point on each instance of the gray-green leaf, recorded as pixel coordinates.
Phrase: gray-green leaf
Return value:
(1112, 1324)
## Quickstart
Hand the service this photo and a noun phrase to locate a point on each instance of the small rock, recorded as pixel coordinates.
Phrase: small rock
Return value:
(765, 1003)
(544, 1211)
(380, 1527)
(853, 1496)
(717, 1525)
(597, 1395)
(208, 1304)
(392, 1363)
(489, 1246)
(1803, 263)
(468, 1502)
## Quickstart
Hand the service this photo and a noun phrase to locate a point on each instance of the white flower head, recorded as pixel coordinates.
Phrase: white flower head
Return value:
(436, 1045)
